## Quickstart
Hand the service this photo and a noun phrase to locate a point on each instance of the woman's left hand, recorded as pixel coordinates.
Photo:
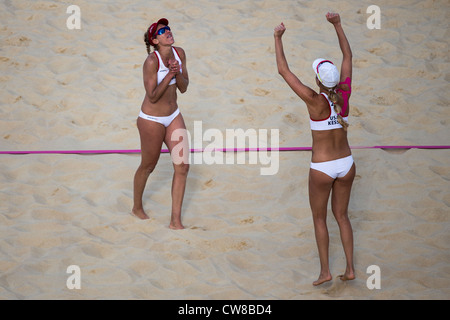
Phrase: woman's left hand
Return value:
(174, 66)
(279, 30)
(333, 18)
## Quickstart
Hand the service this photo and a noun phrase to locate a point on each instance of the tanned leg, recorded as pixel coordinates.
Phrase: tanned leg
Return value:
(319, 191)
(339, 201)
(152, 136)
(178, 146)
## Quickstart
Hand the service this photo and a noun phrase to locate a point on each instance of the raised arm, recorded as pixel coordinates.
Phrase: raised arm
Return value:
(346, 68)
(304, 92)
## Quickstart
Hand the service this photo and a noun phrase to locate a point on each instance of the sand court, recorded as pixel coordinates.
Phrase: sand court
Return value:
(247, 236)
(258, 244)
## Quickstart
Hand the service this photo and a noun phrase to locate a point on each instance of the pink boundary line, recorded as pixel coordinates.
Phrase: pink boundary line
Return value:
(215, 149)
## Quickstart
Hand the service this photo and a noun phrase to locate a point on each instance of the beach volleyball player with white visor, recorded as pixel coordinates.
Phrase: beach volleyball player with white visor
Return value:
(332, 168)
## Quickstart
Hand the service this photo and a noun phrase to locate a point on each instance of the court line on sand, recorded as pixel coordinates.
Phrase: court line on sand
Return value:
(282, 149)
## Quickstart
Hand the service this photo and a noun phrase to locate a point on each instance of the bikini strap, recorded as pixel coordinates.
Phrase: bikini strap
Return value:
(176, 51)
(157, 57)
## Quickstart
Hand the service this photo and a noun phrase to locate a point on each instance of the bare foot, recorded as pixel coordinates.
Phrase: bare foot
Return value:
(348, 275)
(175, 221)
(176, 226)
(140, 214)
(322, 279)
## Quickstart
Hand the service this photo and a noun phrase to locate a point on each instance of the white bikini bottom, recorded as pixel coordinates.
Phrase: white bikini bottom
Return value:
(334, 168)
(165, 121)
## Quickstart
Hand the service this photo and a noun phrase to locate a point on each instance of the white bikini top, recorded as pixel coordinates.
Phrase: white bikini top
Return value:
(329, 123)
(163, 70)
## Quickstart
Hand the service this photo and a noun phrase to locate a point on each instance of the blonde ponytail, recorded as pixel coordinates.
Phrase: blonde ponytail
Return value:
(337, 108)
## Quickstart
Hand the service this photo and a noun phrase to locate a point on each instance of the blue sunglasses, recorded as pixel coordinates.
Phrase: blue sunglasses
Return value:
(162, 30)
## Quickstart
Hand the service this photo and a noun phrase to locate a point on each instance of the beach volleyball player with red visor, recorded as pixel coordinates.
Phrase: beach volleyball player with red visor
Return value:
(164, 73)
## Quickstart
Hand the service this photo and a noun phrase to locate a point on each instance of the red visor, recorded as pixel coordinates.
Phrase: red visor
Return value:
(154, 27)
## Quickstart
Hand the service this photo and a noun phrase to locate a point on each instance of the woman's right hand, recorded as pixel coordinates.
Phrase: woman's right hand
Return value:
(279, 30)
(174, 66)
